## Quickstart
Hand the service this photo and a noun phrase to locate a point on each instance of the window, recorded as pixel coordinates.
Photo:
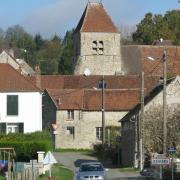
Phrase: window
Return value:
(70, 130)
(100, 85)
(12, 105)
(70, 114)
(98, 47)
(99, 133)
(94, 48)
(7, 128)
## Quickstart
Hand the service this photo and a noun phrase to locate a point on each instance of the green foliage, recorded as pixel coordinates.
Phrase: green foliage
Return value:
(65, 63)
(53, 55)
(27, 145)
(154, 27)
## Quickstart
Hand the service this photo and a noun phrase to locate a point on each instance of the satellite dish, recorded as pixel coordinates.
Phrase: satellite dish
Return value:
(161, 40)
(87, 72)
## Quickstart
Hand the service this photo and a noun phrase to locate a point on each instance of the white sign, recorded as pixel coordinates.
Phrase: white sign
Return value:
(163, 161)
(49, 159)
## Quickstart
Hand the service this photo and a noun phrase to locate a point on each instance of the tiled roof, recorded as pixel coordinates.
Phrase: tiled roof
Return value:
(135, 58)
(92, 99)
(120, 100)
(67, 99)
(12, 80)
(156, 67)
(96, 19)
(90, 82)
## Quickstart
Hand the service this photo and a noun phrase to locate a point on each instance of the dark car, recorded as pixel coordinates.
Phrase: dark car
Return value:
(91, 171)
(150, 173)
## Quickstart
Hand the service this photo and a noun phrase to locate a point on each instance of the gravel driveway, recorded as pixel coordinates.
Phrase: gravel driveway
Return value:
(72, 160)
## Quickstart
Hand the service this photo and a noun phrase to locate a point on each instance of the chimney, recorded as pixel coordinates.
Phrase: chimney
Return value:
(38, 76)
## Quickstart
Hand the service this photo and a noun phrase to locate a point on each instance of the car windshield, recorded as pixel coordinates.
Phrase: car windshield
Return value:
(91, 167)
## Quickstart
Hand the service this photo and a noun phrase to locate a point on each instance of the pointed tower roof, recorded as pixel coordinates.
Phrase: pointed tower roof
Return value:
(96, 19)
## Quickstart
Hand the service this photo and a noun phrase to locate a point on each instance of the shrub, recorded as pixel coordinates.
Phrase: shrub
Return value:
(27, 145)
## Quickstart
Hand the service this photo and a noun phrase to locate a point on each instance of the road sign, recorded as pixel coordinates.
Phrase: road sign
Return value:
(162, 161)
(49, 159)
(172, 149)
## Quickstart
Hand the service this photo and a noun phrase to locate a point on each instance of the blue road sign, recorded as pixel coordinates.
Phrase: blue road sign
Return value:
(172, 149)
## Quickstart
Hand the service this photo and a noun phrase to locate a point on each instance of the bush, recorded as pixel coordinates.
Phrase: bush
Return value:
(27, 145)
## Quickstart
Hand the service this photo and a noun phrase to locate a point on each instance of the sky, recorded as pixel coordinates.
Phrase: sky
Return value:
(49, 17)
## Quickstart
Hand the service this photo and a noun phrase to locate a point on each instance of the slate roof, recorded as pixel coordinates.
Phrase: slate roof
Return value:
(95, 19)
(13, 81)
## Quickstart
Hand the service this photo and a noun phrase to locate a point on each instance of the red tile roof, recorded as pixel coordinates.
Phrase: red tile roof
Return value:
(90, 82)
(96, 19)
(67, 99)
(12, 80)
(156, 67)
(91, 100)
(121, 100)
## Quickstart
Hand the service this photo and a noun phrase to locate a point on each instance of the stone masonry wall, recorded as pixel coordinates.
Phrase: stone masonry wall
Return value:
(108, 63)
(85, 124)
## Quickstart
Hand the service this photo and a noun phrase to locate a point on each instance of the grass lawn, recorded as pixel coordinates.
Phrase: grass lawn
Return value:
(59, 172)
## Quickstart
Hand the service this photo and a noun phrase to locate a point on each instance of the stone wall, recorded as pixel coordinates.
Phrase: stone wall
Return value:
(101, 58)
(85, 123)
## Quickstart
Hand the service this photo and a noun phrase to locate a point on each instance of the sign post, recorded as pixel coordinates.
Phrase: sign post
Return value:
(172, 151)
(49, 159)
(160, 161)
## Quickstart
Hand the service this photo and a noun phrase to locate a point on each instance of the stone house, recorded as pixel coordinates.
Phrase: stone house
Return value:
(74, 104)
(8, 57)
(20, 102)
(130, 122)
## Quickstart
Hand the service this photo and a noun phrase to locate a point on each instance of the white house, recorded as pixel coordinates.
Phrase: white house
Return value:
(20, 102)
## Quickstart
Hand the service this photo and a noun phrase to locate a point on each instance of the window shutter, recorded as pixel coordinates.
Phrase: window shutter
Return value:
(21, 127)
(2, 128)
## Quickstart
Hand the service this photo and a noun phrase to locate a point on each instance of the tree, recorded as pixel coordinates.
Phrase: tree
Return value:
(49, 54)
(154, 27)
(153, 128)
(65, 63)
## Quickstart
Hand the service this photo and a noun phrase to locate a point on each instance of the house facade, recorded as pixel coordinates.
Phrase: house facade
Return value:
(8, 57)
(20, 102)
(74, 104)
(130, 122)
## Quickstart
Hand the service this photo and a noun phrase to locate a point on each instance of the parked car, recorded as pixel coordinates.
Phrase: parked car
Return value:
(150, 173)
(91, 171)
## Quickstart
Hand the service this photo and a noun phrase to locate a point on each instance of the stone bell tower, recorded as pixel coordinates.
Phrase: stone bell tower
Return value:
(96, 43)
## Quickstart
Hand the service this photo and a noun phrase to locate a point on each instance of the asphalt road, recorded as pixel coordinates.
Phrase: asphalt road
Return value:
(73, 160)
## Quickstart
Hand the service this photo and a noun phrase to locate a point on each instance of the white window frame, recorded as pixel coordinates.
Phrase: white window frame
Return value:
(99, 133)
(70, 114)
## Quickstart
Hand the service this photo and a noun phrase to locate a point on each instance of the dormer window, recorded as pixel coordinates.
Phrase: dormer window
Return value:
(98, 48)
(100, 85)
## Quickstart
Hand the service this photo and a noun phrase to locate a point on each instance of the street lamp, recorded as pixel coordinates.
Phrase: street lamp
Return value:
(164, 59)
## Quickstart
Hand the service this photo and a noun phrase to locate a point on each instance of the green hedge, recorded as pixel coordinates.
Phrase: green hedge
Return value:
(27, 145)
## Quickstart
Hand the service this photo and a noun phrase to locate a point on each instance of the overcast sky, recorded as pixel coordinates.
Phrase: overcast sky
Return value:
(48, 17)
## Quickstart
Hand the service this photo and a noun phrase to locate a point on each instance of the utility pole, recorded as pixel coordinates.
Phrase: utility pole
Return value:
(141, 124)
(164, 102)
(103, 112)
